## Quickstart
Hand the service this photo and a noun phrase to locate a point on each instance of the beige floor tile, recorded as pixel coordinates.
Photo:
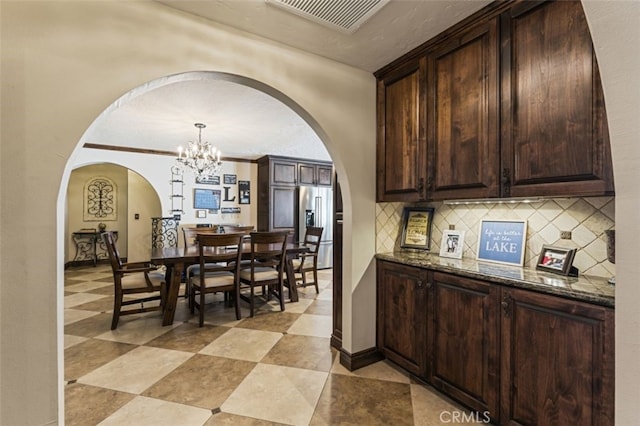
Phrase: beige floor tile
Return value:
(202, 381)
(360, 401)
(278, 394)
(242, 343)
(312, 353)
(142, 411)
(70, 340)
(75, 315)
(77, 363)
(326, 294)
(298, 307)
(277, 321)
(89, 327)
(433, 409)
(320, 307)
(88, 286)
(221, 419)
(81, 298)
(312, 325)
(88, 405)
(381, 370)
(136, 370)
(188, 337)
(137, 329)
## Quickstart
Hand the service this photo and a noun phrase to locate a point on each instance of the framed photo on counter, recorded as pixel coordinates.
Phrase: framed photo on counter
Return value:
(502, 241)
(452, 244)
(558, 260)
(416, 227)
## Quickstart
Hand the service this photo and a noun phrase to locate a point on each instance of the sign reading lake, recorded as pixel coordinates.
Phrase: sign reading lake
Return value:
(502, 241)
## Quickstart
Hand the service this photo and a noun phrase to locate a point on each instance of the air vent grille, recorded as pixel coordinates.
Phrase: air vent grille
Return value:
(344, 15)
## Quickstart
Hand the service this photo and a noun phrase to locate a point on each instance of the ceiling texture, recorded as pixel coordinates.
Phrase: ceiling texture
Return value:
(246, 123)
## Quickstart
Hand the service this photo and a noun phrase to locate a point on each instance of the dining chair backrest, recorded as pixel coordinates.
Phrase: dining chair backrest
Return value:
(312, 238)
(190, 234)
(215, 255)
(268, 249)
(114, 256)
(230, 229)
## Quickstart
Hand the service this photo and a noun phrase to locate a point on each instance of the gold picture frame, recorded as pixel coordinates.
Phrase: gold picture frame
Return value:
(416, 228)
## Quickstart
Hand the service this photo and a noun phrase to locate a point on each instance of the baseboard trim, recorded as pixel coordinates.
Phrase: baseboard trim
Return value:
(359, 359)
(336, 341)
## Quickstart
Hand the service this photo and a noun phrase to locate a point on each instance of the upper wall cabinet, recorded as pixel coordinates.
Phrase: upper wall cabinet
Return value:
(401, 149)
(508, 103)
(463, 93)
(554, 132)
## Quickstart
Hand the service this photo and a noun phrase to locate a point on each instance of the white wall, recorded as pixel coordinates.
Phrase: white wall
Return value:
(144, 202)
(63, 63)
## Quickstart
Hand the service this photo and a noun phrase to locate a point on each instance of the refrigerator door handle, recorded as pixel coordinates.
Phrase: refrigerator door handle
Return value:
(319, 212)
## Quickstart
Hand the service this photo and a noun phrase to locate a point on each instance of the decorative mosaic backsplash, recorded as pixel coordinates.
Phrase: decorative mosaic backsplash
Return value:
(586, 218)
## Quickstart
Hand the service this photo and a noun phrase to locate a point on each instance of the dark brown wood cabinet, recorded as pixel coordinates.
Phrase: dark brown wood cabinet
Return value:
(555, 139)
(402, 316)
(401, 146)
(558, 361)
(463, 93)
(507, 103)
(464, 356)
(284, 172)
(517, 356)
(315, 174)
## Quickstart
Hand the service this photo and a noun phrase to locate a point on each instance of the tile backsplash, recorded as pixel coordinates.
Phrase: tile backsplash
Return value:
(586, 218)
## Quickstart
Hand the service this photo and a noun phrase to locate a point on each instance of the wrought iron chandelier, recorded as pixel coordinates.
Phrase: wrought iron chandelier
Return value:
(201, 158)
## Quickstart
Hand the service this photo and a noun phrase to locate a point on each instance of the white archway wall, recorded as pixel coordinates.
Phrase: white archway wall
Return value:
(616, 35)
(63, 63)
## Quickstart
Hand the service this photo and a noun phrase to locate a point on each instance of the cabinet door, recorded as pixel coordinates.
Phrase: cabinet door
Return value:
(401, 149)
(283, 208)
(558, 361)
(402, 316)
(463, 125)
(554, 131)
(464, 341)
(325, 174)
(307, 174)
(284, 172)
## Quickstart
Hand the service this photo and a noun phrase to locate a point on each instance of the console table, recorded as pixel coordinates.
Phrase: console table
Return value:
(89, 246)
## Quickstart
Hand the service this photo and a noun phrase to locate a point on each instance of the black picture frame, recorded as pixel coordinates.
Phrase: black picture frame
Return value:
(229, 179)
(416, 227)
(558, 260)
(244, 192)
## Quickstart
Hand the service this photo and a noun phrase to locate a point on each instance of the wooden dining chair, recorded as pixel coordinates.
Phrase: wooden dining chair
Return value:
(308, 262)
(190, 234)
(266, 267)
(130, 279)
(230, 229)
(218, 271)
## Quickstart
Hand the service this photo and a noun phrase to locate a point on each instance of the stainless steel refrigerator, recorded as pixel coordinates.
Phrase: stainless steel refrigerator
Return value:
(315, 207)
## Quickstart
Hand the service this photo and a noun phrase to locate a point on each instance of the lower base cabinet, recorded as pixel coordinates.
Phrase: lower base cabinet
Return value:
(558, 361)
(464, 341)
(516, 356)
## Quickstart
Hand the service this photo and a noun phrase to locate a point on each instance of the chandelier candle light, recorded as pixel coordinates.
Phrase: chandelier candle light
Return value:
(201, 158)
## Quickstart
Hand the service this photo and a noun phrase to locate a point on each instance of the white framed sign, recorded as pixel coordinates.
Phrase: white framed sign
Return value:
(502, 241)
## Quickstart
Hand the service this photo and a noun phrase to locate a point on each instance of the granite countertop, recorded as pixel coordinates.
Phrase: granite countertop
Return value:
(583, 288)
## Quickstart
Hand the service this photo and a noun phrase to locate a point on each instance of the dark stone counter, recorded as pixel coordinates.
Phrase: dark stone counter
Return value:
(589, 289)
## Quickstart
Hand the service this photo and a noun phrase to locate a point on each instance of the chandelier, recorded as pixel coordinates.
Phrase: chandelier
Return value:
(201, 158)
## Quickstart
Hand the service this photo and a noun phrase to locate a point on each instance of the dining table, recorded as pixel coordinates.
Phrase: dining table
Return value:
(177, 259)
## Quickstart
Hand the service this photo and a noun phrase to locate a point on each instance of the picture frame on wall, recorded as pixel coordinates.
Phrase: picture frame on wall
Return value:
(558, 260)
(208, 180)
(502, 241)
(201, 214)
(452, 243)
(229, 179)
(416, 227)
(244, 192)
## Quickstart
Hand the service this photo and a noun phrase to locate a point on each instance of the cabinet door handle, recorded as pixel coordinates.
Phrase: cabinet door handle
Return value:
(506, 182)
(419, 283)
(420, 185)
(506, 304)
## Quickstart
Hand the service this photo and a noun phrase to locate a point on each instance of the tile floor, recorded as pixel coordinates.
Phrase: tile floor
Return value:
(275, 369)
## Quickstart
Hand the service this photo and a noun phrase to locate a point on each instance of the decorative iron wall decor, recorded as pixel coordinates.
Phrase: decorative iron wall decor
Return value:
(100, 200)
(164, 232)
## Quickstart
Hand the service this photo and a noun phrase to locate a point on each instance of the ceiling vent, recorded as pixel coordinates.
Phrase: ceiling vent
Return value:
(342, 15)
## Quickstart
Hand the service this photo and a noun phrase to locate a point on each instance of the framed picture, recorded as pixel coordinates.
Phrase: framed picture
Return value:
(208, 180)
(502, 241)
(416, 229)
(452, 244)
(229, 179)
(558, 260)
(244, 192)
(200, 214)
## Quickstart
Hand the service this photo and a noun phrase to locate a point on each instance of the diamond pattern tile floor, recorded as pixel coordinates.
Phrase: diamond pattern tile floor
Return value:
(274, 369)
